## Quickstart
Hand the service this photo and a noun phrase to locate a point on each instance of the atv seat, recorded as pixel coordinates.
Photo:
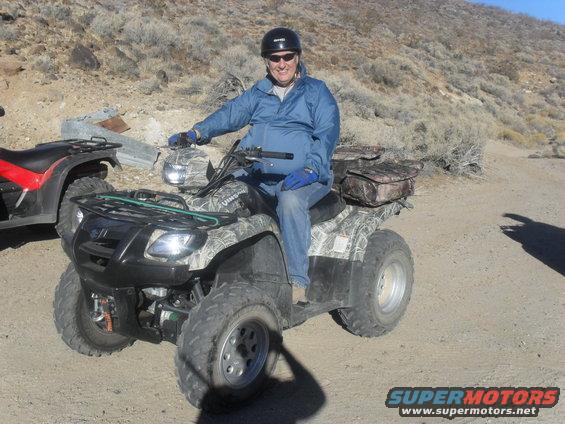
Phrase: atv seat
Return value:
(328, 207)
(38, 159)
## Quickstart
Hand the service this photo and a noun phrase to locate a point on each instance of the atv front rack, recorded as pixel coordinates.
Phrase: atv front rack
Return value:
(164, 210)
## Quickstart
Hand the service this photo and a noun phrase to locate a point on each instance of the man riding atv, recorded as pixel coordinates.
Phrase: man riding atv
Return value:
(287, 111)
(212, 270)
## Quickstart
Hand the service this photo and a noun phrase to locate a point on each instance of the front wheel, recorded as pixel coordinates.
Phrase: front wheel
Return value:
(69, 213)
(74, 322)
(228, 347)
(380, 299)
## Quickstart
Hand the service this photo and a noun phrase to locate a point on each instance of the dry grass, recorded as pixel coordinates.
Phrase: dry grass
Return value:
(44, 64)
(56, 12)
(8, 32)
(151, 32)
(107, 24)
(149, 86)
(432, 79)
(511, 135)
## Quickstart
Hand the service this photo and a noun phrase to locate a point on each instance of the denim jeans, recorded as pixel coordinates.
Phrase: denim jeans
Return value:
(294, 221)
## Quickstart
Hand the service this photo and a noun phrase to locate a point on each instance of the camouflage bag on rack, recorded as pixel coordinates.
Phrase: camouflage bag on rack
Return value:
(353, 157)
(362, 179)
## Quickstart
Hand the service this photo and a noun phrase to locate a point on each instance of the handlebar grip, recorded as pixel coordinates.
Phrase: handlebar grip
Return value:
(277, 155)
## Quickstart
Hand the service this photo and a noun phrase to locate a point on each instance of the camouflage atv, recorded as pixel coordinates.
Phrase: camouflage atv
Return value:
(205, 269)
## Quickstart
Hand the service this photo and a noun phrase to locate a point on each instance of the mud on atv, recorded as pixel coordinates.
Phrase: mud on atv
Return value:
(36, 184)
(207, 271)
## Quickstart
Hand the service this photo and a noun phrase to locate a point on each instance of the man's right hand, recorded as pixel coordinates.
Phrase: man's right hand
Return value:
(183, 139)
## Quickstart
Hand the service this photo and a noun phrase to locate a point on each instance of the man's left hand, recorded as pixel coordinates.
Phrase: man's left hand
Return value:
(183, 139)
(299, 178)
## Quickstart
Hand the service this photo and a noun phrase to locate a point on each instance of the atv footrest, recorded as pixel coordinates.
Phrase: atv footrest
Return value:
(302, 312)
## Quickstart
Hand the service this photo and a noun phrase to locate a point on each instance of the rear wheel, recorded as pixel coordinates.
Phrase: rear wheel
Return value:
(69, 212)
(228, 347)
(380, 299)
(74, 322)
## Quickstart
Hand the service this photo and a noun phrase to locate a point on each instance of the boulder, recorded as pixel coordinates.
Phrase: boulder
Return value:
(162, 77)
(82, 57)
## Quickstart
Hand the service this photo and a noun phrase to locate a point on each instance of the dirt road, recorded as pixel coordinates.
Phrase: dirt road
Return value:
(487, 310)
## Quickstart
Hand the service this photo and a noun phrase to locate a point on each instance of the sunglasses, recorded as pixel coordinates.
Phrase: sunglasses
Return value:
(286, 57)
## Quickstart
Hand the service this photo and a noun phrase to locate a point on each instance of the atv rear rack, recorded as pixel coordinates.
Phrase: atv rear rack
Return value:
(164, 210)
(79, 145)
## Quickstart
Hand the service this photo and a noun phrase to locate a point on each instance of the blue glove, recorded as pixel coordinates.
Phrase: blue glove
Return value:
(183, 139)
(299, 178)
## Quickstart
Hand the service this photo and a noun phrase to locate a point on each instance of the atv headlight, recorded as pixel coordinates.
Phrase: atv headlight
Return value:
(176, 245)
(79, 216)
(174, 174)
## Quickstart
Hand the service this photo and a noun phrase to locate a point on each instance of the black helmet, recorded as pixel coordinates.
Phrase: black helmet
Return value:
(280, 39)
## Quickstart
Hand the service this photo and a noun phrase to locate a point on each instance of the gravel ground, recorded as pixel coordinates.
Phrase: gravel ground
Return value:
(487, 310)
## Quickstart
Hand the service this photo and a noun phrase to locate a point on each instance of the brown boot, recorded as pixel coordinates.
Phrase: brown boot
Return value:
(299, 295)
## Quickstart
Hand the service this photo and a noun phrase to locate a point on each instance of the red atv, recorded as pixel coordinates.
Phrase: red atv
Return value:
(36, 184)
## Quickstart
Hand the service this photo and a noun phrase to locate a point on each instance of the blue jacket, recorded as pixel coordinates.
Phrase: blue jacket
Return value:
(305, 123)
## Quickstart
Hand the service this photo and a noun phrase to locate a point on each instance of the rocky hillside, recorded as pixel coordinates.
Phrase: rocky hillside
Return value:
(429, 79)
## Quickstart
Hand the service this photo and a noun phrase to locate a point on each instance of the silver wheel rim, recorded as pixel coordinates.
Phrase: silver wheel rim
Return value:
(244, 353)
(391, 285)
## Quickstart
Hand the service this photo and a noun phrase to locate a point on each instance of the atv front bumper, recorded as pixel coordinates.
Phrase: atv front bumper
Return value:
(109, 258)
(109, 254)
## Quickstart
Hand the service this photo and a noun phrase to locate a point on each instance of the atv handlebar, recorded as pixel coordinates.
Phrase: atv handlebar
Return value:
(235, 160)
(249, 154)
(256, 154)
(274, 155)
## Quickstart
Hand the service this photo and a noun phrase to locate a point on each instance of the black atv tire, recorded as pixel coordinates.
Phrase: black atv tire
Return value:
(67, 220)
(235, 319)
(73, 322)
(387, 261)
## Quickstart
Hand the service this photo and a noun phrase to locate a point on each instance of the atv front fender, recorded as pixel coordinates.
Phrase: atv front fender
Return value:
(76, 166)
(225, 238)
(259, 261)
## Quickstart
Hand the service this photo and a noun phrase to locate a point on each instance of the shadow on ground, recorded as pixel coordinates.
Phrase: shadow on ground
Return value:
(15, 238)
(543, 241)
(284, 402)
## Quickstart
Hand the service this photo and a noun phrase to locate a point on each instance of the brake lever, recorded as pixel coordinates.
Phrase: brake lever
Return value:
(243, 156)
(261, 160)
